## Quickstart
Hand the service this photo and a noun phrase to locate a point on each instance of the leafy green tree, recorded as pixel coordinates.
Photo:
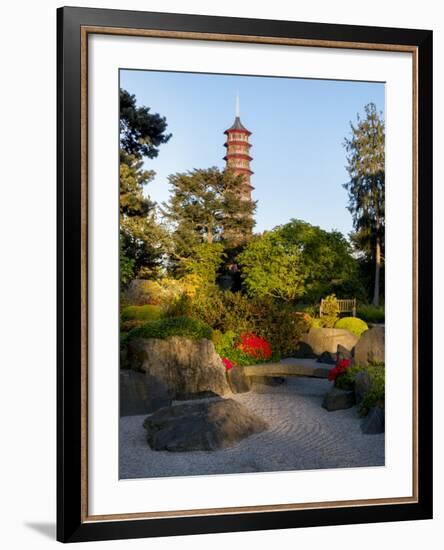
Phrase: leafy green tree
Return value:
(141, 236)
(298, 260)
(366, 188)
(205, 262)
(272, 267)
(205, 206)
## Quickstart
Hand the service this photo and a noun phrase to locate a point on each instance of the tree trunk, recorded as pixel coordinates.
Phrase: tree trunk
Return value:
(377, 271)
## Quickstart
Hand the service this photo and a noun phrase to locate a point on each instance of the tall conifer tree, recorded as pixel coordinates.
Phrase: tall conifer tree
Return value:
(366, 188)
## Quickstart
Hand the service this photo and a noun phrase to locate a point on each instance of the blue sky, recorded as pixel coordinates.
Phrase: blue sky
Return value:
(298, 128)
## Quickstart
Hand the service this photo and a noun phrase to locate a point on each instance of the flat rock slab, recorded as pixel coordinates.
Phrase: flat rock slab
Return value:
(337, 399)
(201, 426)
(289, 367)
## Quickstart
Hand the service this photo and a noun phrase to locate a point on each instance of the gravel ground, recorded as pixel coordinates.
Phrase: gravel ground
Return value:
(301, 436)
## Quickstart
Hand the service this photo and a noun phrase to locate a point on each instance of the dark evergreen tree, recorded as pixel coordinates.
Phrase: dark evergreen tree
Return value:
(141, 133)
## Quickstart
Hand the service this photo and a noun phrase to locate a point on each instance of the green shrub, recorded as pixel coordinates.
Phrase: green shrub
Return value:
(330, 311)
(141, 313)
(225, 311)
(371, 314)
(353, 324)
(126, 326)
(175, 326)
(376, 394)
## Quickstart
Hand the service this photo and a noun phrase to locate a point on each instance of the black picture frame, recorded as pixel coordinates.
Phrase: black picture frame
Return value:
(71, 523)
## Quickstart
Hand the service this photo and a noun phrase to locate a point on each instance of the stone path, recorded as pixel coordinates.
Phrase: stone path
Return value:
(301, 436)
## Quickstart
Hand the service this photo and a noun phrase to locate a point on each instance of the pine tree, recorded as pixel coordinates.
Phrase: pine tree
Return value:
(366, 188)
(205, 207)
(141, 236)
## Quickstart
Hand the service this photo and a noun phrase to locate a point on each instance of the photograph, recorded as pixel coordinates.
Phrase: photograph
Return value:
(251, 273)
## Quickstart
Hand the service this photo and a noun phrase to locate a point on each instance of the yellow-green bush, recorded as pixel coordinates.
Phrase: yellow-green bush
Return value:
(141, 313)
(353, 324)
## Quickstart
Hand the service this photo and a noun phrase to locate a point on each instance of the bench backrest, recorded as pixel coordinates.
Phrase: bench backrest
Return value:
(345, 306)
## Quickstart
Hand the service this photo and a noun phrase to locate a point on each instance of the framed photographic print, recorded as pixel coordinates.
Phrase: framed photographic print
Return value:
(245, 274)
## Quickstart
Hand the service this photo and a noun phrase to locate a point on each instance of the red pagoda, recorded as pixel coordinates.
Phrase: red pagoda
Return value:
(238, 153)
(238, 162)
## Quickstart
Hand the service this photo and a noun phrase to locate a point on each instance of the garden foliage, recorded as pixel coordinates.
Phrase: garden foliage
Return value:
(376, 394)
(371, 314)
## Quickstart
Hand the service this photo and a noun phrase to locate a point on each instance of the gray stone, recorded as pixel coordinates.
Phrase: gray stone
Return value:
(328, 339)
(362, 385)
(239, 383)
(303, 351)
(327, 358)
(141, 394)
(343, 353)
(374, 422)
(337, 399)
(371, 347)
(186, 367)
(201, 426)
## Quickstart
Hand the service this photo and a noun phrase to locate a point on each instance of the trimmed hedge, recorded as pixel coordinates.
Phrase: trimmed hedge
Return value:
(175, 326)
(371, 314)
(353, 324)
(141, 313)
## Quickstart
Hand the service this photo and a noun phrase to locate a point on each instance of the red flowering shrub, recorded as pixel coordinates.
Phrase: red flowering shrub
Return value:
(254, 346)
(228, 364)
(341, 367)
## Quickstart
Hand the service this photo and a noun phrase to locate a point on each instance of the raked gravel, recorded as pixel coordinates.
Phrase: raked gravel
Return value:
(301, 436)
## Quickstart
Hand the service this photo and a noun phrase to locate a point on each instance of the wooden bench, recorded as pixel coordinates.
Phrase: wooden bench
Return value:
(345, 306)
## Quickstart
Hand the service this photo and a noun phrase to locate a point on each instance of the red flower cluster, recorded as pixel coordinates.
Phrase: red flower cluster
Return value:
(228, 364)
(341, 366)
(254, 346)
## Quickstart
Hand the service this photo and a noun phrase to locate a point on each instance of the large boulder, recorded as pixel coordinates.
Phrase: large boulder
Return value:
(141, 394)
(337, 399)
(321, 340)
(239, 383)
(371, 347)
(186, 367)
(201, 426)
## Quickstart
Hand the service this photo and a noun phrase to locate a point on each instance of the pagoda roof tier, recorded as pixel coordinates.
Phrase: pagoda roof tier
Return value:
(237, 156)
(242, 170)
(237, 142)
(237, 126)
